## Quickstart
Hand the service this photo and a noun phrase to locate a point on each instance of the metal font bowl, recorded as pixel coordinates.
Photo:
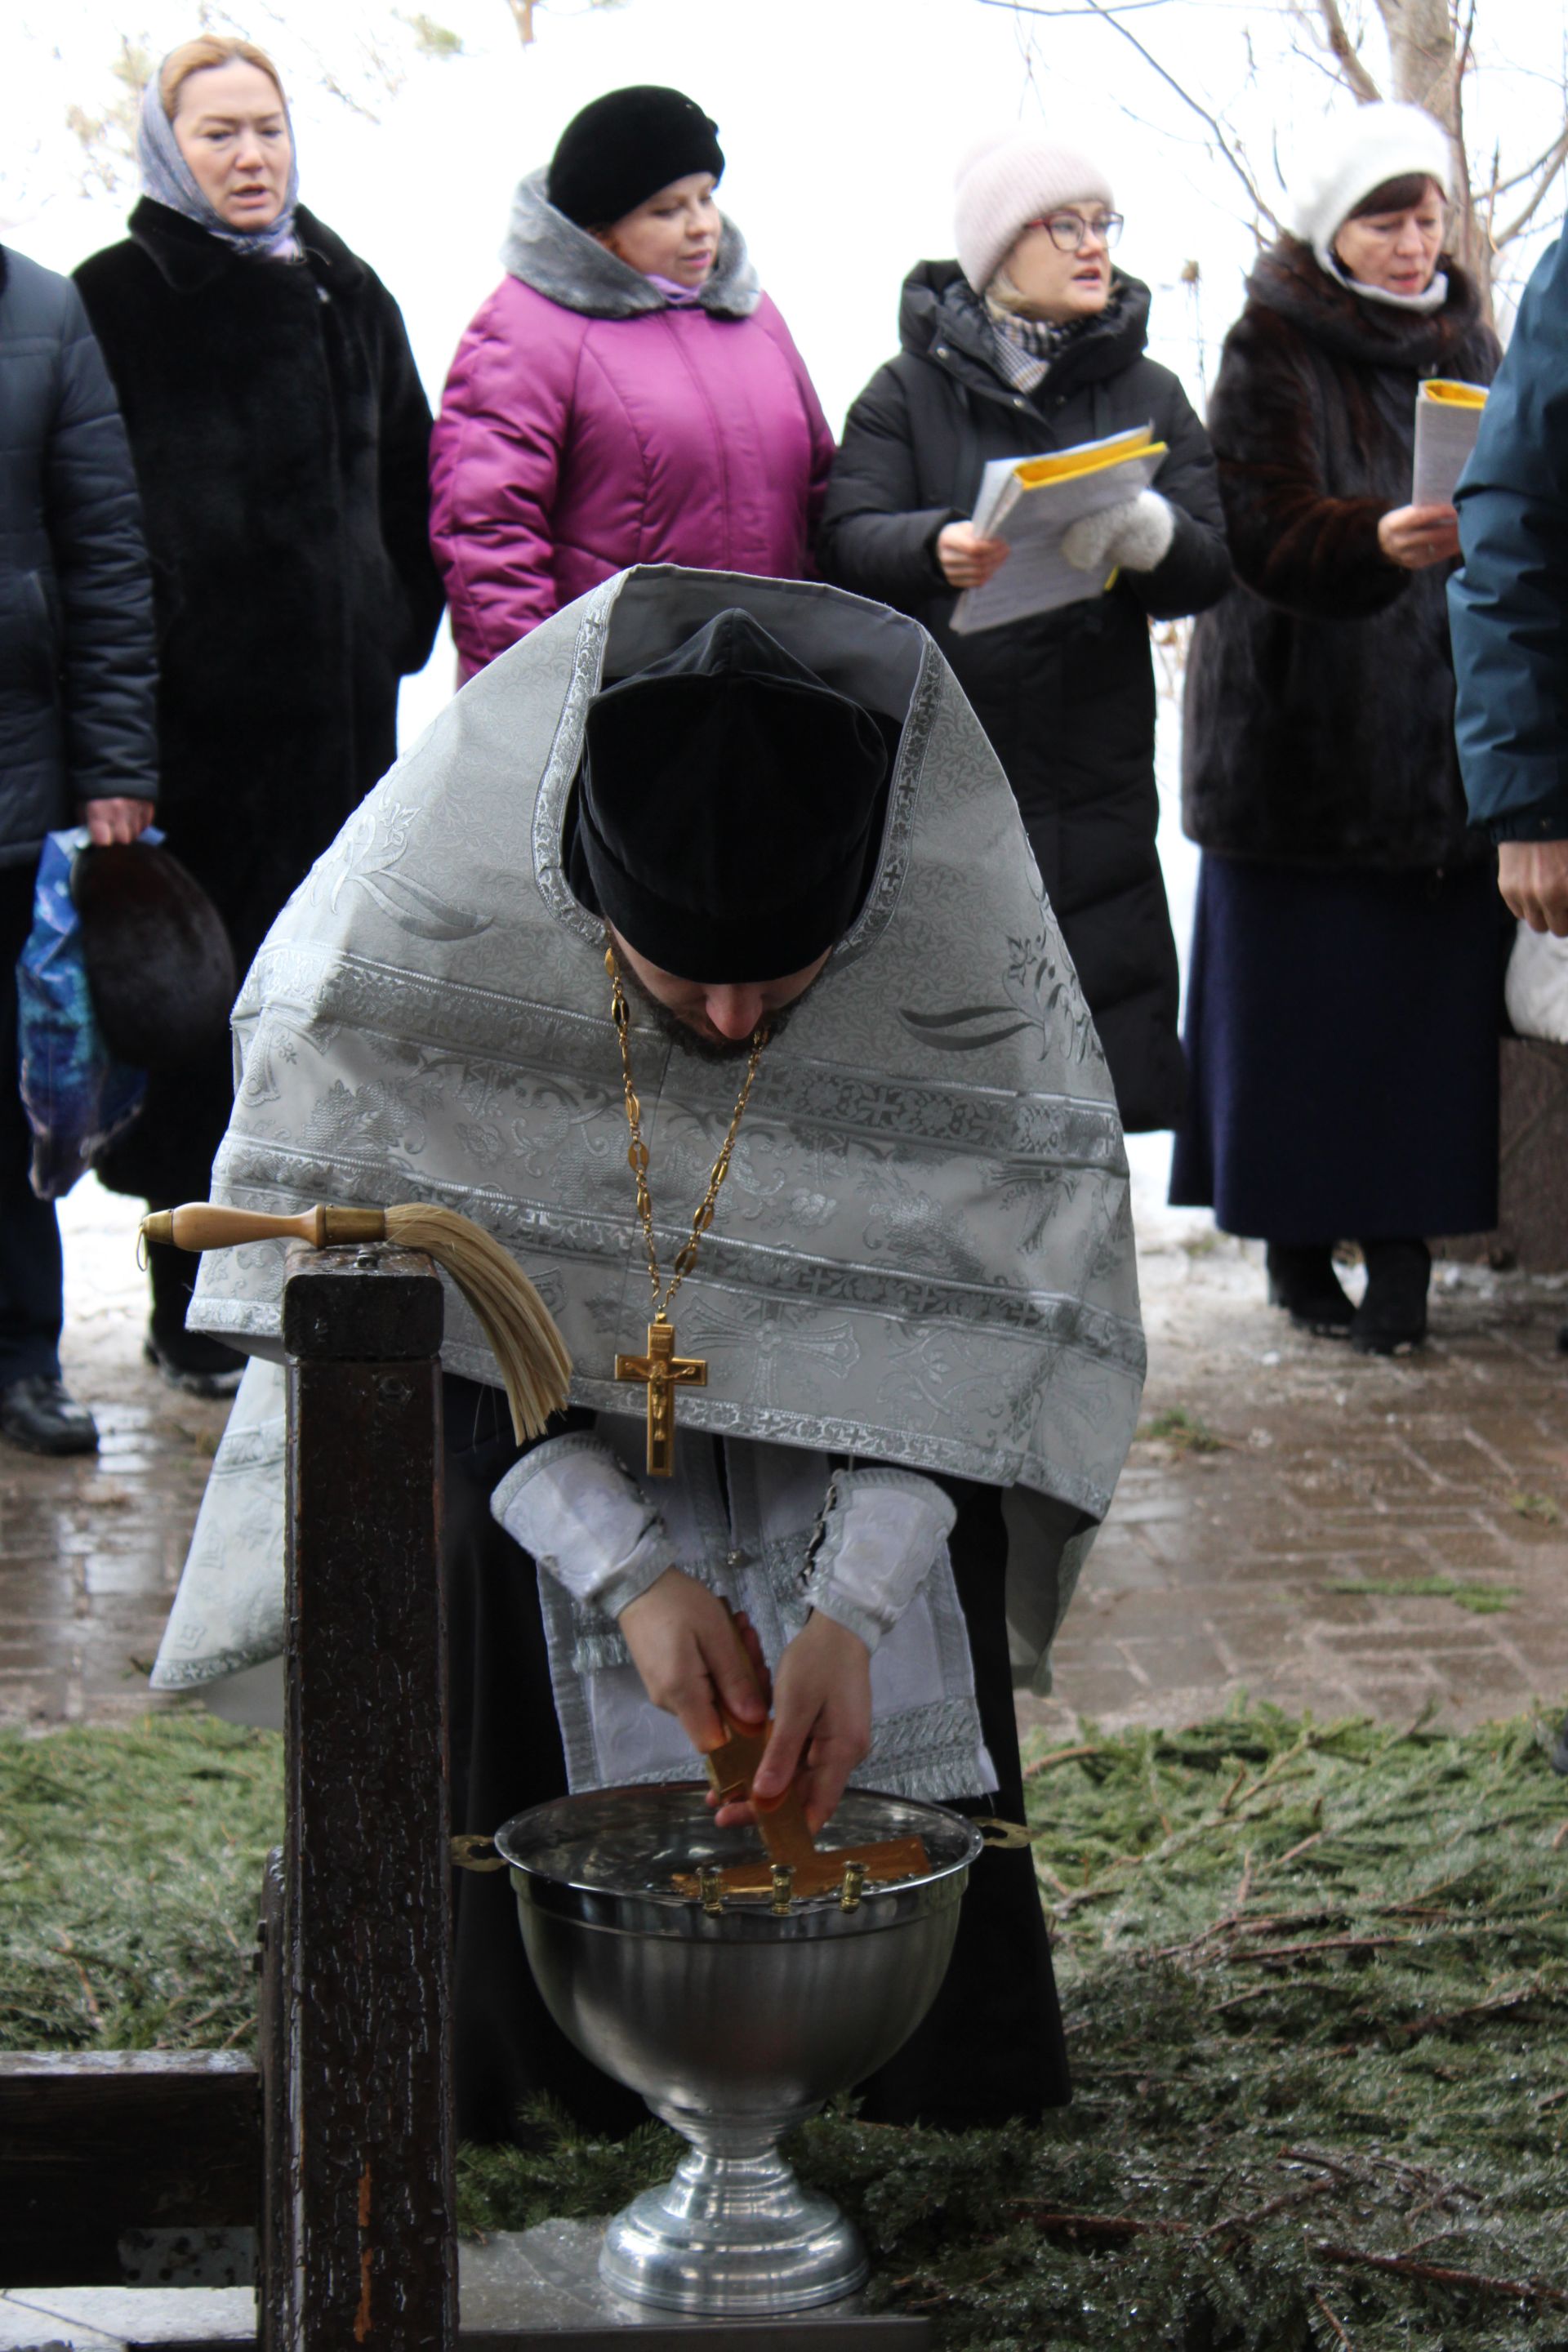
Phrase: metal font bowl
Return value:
(735, 2025)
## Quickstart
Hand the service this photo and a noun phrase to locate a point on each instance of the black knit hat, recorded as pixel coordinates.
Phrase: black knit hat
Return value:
(726, 807)
(624, 148)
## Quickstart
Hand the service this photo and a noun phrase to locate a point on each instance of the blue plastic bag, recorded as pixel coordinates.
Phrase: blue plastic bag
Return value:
(77, 1099)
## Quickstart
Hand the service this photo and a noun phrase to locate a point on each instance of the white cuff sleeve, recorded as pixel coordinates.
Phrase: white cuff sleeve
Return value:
(882, 1533)
(579, 1512)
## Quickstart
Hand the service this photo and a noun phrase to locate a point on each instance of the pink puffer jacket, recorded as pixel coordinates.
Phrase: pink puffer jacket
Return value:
(588, 424)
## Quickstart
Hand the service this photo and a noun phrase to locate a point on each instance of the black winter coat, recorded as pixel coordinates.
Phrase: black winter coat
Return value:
(76, 604)
(1320, 695)
(1067, 700)
(280, 435)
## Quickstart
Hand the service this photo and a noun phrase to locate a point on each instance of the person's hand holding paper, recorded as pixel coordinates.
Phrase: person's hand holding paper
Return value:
(967, 557)
(1417, 537)
(1426, 531)
(1032, 504)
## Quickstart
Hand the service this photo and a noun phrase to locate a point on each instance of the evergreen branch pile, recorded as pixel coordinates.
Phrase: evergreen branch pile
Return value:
(130, 1871)
(1315, 1979)
(1316, 1985)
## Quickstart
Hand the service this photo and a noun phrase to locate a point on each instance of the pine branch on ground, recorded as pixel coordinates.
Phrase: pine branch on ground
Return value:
(1316, 1985)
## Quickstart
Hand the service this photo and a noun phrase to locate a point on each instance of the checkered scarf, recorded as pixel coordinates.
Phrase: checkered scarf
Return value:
(1025, 350)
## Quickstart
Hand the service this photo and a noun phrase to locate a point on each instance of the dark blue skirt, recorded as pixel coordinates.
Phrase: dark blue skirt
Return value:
(1341, 1038)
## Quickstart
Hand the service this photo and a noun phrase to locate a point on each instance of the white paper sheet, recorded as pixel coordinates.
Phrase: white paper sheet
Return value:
(1037, 576)
(1445, 434)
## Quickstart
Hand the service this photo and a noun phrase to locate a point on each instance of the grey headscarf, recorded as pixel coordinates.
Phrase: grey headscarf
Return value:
(169, 180)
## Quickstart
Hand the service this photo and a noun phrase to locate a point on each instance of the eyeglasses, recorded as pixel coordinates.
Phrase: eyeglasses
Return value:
(1067, 231)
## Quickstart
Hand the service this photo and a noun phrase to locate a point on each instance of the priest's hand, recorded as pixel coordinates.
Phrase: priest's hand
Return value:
(682, 1641)
(822, 1719)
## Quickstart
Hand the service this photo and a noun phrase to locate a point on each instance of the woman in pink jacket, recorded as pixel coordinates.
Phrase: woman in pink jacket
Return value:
(628, 395)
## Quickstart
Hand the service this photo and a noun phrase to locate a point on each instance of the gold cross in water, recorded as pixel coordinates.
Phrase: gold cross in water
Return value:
(661, 1368)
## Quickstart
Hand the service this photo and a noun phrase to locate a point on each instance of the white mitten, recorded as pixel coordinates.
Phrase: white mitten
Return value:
(881, 1533)
(577, 1508)
(1132, 538)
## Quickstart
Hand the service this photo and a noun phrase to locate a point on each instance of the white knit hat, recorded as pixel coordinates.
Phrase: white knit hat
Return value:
(1004, 181)
(1358, 153)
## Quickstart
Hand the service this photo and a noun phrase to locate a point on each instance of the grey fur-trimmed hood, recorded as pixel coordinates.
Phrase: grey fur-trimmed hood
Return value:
(565, 264)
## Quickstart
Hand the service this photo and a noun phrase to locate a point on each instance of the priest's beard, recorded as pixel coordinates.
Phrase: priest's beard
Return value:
(691, 1041)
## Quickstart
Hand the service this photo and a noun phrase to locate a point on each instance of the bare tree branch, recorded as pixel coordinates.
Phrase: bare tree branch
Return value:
(1544, 161)
(1557, 154)
(338, 89)
(1217, 128)
(1346, 55)
(1476, 253)
(523, 13)
(1114, 8)
(1491, 195)
(1432, 50)
(1328, 67)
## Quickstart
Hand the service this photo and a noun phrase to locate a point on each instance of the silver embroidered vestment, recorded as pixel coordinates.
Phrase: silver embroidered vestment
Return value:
(923, 1255)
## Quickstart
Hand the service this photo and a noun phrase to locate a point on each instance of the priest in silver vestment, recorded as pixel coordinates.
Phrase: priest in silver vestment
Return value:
(698, 952)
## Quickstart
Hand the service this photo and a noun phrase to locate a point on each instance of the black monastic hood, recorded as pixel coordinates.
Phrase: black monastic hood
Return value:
(726, 804)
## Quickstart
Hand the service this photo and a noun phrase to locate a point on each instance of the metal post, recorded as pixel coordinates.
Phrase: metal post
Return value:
(362, 2233)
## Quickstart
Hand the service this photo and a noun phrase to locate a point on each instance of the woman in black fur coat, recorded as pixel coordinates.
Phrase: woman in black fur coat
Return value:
(1342, 1023)
(1031, 341)
(281, 437)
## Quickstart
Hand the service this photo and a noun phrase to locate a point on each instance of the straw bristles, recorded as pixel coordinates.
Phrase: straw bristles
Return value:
(528, 1348)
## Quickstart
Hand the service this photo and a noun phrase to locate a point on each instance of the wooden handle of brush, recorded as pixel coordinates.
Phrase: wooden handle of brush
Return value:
(204, 1225)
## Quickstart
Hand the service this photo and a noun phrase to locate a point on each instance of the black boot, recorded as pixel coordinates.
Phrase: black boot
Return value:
(38, 1415)
(1303, 1280)
(1392, 1314)
(187, 1359)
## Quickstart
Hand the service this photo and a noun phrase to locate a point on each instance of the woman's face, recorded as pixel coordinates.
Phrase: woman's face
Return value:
(1397, 252)
(675, 235)
(1063, 285)
(232, 131)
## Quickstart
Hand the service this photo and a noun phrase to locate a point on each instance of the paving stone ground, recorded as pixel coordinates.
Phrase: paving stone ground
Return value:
(90, 1550)
(1255, 1567)
(1216, 1573)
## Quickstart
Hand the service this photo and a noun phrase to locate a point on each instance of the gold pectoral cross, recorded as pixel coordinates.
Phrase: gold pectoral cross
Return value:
(662, 1370)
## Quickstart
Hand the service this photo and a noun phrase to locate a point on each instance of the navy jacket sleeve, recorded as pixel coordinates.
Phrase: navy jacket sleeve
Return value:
(1509, 606)
(93, 517)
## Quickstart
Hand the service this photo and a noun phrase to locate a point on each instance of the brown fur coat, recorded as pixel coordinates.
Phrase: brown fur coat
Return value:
(1319, 693)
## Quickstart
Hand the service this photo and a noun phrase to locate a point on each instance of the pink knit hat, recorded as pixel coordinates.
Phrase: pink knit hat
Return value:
(1007, 181)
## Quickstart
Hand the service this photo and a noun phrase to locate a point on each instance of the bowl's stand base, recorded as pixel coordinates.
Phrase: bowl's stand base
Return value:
(733, 2233)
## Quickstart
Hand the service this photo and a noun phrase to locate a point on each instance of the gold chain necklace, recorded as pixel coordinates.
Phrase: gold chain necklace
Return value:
(662, 1370)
